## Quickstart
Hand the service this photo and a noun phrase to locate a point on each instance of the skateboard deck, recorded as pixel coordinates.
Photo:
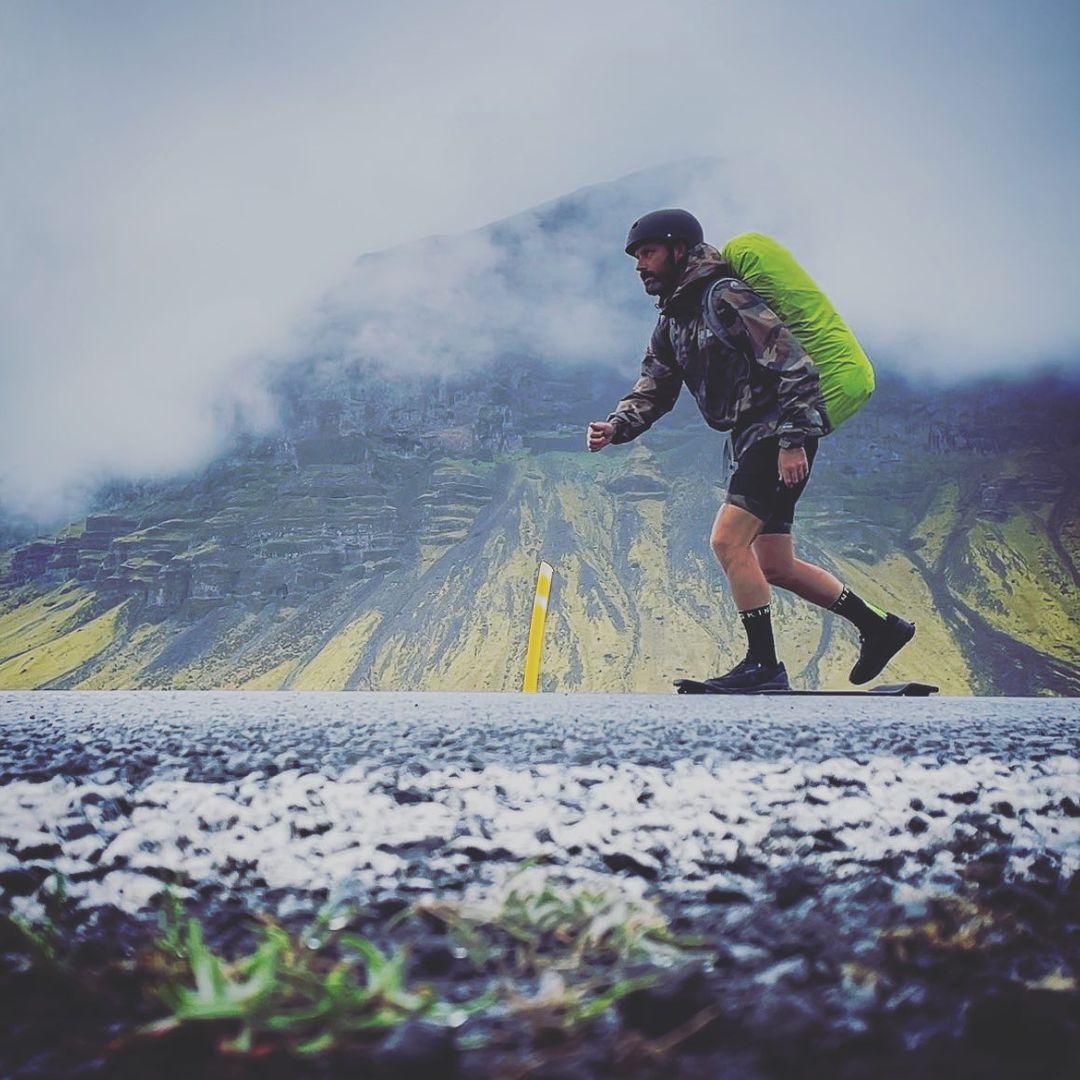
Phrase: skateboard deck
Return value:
(904, 689)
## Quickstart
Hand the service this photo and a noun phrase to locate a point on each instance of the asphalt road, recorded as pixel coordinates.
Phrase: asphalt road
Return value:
(213, 736)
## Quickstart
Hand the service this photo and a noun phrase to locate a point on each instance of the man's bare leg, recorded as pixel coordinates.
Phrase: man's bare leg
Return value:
(775, 554)
(881, 635)
(732, 540)
(733, 534)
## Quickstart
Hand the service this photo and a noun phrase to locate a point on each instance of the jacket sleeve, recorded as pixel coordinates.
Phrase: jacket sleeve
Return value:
(757, 331)
(653, 395)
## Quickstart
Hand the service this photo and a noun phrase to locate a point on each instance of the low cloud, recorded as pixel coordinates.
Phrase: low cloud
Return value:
(185, 193)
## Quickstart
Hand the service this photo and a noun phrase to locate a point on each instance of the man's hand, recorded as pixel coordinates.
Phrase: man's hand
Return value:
(600, 435)
(793, 466)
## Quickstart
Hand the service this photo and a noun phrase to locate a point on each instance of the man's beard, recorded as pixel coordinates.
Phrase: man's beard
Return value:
(661, 282)
(657, 284)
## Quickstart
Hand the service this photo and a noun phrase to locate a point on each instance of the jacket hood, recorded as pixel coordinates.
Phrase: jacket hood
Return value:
(703, 263)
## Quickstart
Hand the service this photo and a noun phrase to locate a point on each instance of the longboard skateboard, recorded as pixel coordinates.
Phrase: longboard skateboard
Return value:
(904, 689)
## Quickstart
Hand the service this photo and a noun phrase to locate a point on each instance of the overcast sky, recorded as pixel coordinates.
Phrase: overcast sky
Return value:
(180, 184)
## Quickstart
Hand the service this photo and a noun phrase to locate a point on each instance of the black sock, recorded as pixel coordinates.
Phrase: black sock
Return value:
(865, 616)
(757, 622)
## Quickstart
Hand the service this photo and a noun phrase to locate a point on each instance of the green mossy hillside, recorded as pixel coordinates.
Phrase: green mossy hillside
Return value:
(395, 558)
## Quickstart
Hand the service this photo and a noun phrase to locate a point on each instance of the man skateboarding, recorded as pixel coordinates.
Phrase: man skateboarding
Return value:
(750, 376)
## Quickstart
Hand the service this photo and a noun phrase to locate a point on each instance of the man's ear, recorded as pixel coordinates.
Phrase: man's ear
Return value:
(679, 252)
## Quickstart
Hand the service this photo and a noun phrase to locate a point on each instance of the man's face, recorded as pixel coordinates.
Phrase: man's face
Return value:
(657, 267)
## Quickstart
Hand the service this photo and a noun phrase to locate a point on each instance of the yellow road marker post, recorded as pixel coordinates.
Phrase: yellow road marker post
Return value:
(536, 629)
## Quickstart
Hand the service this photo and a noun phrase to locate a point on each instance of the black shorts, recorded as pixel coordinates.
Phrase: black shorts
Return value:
(756, 487)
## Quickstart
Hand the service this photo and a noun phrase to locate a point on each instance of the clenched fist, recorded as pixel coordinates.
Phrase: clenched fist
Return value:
(600, 435)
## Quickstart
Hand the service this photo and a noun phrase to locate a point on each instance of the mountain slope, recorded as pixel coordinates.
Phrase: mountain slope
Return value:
(379, 562)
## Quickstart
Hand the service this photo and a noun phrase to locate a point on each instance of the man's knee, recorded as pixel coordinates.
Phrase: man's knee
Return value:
(776, 557)
(780, 574)
(727, 547)
(733, 534)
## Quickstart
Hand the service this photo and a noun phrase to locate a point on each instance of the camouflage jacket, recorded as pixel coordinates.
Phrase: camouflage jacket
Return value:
(756, 381)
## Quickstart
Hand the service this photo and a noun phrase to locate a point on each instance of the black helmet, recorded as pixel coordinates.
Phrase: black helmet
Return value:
(679, 226)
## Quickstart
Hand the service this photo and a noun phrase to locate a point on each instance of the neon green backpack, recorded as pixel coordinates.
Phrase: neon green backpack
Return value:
(847, 376)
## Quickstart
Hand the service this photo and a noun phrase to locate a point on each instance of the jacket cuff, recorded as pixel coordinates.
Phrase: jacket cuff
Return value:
(621, 428)
(792, 440)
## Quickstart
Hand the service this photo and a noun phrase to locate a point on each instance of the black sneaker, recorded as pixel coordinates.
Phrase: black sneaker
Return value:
(750, 677)
(878, 648)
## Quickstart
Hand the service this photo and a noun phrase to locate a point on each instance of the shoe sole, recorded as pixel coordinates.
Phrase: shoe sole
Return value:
(884, 663)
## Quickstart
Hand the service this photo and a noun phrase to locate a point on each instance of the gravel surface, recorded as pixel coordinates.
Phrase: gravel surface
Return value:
(812, 841)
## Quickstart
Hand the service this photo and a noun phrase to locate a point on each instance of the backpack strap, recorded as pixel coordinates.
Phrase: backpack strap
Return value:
(707, 312)
(727, 450)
